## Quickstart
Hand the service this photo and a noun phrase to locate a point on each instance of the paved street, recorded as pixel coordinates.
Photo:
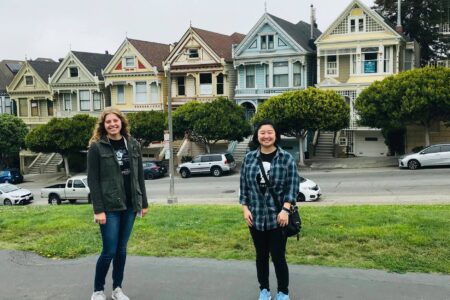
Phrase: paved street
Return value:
(339, 186)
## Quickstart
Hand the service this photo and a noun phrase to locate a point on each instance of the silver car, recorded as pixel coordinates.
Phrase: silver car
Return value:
(214, 164)
(435, 155)
(14, 195)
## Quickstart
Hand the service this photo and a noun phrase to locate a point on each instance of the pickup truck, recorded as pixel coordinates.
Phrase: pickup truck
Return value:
(74, 189)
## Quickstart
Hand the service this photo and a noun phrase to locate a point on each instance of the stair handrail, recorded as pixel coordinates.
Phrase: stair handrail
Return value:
(49, 159)
(35, 160)
(232, 146)
(315, 141)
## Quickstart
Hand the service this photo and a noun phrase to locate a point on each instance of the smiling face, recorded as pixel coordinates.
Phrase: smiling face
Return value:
(113, 125)
(267, 136)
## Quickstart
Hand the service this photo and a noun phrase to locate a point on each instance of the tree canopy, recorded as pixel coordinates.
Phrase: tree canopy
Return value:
(296, 112)
(419, 96)
(12, 136)
(147, 126)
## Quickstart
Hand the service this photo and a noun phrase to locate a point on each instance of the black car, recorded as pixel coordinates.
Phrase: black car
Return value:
(152, 170)
(11, 176)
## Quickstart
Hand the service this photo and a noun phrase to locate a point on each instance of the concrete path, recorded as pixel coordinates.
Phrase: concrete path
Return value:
(28, 276)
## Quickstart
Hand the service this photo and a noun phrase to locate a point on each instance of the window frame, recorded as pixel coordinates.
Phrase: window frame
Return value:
(140, 95)
(120, 94)
(71, 75)
(252, 77)
(29, 80)
(84, 101)
(181, 86)
(276, 76)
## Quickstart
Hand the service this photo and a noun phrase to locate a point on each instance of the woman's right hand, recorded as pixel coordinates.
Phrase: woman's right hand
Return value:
(100, 218)
(247, 216)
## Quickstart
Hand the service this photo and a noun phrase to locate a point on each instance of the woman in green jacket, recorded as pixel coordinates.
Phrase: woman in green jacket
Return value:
(117, 190)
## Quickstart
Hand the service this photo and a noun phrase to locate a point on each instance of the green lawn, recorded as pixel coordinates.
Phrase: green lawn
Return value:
(396, 238)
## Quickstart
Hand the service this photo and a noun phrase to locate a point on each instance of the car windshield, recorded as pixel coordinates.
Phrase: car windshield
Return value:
(302, 179)
(7, 188)
(84, 181)
(229, 157)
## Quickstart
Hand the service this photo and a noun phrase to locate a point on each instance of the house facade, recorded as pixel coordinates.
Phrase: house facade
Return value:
(358, 48)
(31, 92)
(201, 66)
(135, 76)
(8, 69)
(78, 85)
(274, 57)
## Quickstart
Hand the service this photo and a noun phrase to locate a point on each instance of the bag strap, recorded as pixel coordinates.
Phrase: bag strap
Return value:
(269, 184)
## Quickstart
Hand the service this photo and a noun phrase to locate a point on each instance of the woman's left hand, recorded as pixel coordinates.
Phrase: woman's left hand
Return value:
(144, 211)
(283, 218)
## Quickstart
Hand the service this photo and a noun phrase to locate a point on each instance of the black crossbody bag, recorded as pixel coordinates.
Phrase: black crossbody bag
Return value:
(295, 222)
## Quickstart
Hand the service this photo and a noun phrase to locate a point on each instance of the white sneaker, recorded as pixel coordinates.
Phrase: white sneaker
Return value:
(117, 294)
(98, 296)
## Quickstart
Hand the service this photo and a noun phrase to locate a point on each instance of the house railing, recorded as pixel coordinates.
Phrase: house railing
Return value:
(264, 91)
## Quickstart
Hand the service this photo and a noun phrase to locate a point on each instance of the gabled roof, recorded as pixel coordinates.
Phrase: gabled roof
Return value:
(8, 69)
(220, 43)
(154, 53)
(44, 68)
(94, 62)
(300, 32)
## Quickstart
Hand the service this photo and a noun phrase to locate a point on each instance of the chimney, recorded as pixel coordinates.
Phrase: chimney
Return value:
(60, 59)
(313, 21)
(106, 52)
(399, 27)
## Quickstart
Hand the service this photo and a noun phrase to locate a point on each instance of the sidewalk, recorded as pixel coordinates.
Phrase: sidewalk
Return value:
(28, 276)
(352, 163)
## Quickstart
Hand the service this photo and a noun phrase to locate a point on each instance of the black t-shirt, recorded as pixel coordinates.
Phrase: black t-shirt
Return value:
(267, 161)
(123, 157)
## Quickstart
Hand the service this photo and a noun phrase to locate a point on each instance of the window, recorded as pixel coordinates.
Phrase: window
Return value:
(371, 139)
(97, 98)
(445, 148)
(297, 74)
(154, 92)
(266, 69)
(29, 80)
(67, 103)
(250, 77)
(8, 106)
(280, 74)
(270, 44)
(73, 72)
(78, 184)
(220, 84)
(369, 60)
(129, 62)
(360, 25)
(263, 42)
(193, 53)
(267, 42)
(120, 94)
(332, 67)
(69, 183)
(34, 108)
(181, 87)
(357, 25)
(432, 149)
(387, 60)
(205, 84)
(49, 108)
(85, 100)
(141, 92)
(353, 64)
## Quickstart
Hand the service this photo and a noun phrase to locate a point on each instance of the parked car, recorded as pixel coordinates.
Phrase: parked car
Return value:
(14, 195)
(435, 155)
(214, 164)
(75, 188)
(152, 170)
(11, 175)
(309, 190)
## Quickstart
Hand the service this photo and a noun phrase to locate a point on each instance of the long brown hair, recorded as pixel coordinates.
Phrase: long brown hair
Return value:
(100, 131)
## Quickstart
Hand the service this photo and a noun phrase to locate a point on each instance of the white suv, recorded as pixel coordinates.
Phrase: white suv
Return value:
(214, 164)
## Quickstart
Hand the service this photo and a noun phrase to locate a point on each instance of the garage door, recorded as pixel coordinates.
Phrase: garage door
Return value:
(370, 143)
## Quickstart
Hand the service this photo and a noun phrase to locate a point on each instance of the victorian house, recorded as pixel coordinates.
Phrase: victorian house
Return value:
(358, 48)
(31, 92)
(78, 85)
(274, 57)
(200, 66)
(8, 69)
(135, 76)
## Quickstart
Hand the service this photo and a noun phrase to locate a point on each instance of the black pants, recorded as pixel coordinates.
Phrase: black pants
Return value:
(271, 242)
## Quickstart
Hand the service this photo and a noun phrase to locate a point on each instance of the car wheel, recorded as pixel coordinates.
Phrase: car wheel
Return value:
(72, 201)
(6, 181)
(7, 202)
(301, 197)
(54, 200)
(413, 164)
(216, 171)
(185, 173)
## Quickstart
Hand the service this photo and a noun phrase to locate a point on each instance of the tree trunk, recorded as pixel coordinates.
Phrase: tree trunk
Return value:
(427, 135)
(301, 153)
(208, 148)
(66, 165)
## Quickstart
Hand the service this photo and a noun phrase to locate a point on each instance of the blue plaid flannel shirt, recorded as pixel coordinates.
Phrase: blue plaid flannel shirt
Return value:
(284, 178)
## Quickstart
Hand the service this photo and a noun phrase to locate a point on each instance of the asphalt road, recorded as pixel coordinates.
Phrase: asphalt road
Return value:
(339, 186)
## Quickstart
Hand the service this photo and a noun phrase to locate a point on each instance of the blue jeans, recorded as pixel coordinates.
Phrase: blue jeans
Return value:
(115, 235)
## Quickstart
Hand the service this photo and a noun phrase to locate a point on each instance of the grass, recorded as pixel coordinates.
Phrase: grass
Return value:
(396, 238)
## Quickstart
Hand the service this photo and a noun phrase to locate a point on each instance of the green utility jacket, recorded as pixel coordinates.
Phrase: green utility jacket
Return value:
(105, 179)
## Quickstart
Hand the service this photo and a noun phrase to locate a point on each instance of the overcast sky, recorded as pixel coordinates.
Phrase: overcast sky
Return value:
(50, 28)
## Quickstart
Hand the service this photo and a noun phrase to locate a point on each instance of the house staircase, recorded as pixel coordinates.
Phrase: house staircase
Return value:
(45, 163)
(240, 150)
(325, 145)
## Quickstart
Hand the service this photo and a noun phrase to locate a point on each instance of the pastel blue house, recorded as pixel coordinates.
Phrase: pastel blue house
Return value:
(274, 57)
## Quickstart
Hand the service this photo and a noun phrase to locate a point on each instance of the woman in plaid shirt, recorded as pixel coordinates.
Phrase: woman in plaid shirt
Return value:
(260, 212)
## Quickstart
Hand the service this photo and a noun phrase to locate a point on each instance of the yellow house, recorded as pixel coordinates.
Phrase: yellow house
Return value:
(135, 76)
(358, 48)
(31, 92)
(201, 66)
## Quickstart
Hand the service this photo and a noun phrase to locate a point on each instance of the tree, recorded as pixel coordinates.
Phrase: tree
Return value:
(296, 112)
(12, 136)
(147, 126)
(208, 123)
(63, 136)
(418, 96)
(419, 20)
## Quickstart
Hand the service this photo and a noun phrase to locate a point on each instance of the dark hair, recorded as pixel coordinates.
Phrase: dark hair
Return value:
(259, 125)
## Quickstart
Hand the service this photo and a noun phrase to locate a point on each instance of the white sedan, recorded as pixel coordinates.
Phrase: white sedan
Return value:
(309, 190)
(14, 195)
(435, 155)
